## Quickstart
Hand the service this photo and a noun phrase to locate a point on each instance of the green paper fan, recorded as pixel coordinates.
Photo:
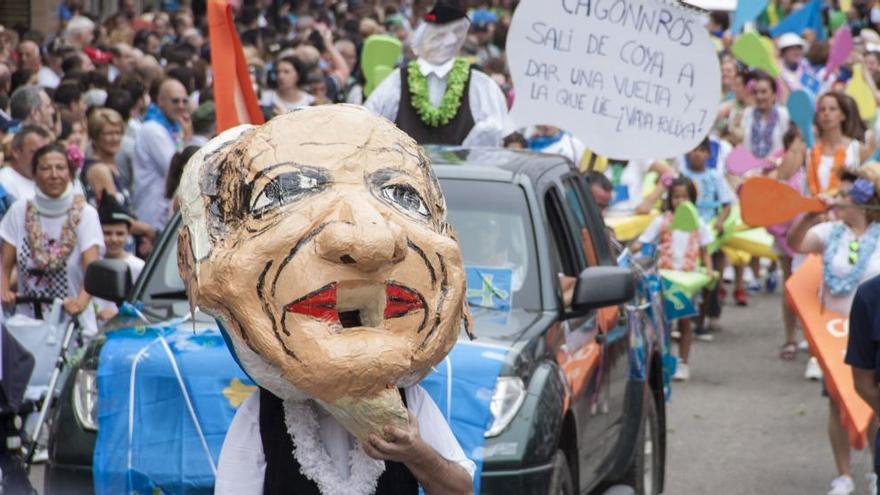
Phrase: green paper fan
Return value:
(378, 58)
(686, 218)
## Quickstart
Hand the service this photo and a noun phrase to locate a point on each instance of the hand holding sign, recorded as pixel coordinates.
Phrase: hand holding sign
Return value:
(615, 74)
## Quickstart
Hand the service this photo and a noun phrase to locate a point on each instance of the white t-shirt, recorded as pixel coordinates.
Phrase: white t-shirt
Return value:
(851, 161)
(135, 265)
(47, 78)
(778, 131)
(271, 99)
(569, 147)
(631, 181)
(840, 265)
(154, 147)
(19, 186)
(680, 240)
(242, 464)
(88, 234)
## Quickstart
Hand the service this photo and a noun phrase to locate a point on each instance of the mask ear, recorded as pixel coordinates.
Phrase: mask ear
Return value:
(186, 265)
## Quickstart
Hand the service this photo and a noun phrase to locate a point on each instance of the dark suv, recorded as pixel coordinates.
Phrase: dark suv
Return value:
(578, 405)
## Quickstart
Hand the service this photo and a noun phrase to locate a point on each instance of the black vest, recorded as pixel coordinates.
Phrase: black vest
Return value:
(453, 132)
(283, 476)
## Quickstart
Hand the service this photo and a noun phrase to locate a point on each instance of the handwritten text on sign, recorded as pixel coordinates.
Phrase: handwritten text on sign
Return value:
(631, 78)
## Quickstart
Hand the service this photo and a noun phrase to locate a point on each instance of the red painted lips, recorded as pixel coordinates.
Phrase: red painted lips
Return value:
(321, 304)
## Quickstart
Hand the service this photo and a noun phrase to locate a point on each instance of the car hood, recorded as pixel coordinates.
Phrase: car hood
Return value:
(502, 328)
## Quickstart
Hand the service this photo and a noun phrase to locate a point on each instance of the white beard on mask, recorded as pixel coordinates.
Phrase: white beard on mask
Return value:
(438, 44)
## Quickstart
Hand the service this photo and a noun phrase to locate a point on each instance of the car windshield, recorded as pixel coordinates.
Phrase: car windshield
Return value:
(494, 227)
(495, 231)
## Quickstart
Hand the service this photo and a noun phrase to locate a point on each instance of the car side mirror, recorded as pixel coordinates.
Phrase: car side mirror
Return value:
(600, 286)
(108, 279)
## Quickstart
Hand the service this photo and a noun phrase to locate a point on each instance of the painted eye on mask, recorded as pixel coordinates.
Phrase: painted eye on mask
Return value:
(287, 188)
(406, 198)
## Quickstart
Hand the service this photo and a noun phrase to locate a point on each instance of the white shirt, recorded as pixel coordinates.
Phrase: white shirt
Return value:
(271, 99)
(47, 78)
(778, 131)
(88, 233)
(19, 186)
(633, 179)
(680, 240)
(851, 161)
(569, 146)
(242, 464)
(154, 147)
(488, 105)
(840, 265)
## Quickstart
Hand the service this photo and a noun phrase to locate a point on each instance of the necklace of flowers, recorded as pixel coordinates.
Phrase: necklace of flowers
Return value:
(839, 285)
(692, 252)
(48, 254)
(455, 83)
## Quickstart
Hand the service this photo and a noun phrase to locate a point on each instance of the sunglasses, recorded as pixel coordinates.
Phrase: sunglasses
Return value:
(178, 101)
(853, 256)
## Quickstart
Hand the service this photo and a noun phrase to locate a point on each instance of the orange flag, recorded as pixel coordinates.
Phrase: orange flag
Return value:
(234, 95)
(827, 333)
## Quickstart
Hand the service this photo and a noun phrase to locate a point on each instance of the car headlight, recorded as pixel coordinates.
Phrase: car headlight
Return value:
(506, 401)
(85, 399)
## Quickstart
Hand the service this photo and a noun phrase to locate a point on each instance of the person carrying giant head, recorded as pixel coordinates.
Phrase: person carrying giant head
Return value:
(439, 98)
(319, 241)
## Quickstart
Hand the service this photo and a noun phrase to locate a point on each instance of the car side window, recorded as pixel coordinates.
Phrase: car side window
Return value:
(567, 251)
(585, 213)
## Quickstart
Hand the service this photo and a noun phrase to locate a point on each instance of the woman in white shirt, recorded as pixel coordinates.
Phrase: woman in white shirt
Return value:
(834, 151)
(51, 239)
(288, 95)
(765, 122)
(851, 255)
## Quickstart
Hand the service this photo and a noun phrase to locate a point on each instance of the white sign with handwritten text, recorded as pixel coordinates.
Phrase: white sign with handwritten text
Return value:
(631, 78)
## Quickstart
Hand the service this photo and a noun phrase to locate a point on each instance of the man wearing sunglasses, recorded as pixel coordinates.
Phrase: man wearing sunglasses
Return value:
(166, 130)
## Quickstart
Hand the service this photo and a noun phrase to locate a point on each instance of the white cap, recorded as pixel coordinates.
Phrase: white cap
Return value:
(789, 40)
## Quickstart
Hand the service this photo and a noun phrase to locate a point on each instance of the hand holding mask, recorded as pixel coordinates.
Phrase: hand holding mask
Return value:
(319, 241)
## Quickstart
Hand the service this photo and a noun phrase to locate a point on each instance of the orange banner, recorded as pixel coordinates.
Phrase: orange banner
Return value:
(827, 333)
(234, 96)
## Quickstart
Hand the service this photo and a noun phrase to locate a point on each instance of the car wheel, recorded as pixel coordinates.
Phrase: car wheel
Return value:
(561, 482)
(646, 467)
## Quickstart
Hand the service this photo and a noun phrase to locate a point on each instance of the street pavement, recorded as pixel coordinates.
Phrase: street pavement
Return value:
(747, 422)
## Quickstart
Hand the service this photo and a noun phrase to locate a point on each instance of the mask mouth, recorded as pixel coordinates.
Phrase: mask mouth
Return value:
(357, 304)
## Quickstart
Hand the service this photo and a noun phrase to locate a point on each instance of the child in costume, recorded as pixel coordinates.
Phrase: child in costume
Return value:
(714, 202)
(679, 250)
(116, 224)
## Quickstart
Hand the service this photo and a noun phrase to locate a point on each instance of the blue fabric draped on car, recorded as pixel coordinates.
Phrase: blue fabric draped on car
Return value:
(158, 436)
(166, 397)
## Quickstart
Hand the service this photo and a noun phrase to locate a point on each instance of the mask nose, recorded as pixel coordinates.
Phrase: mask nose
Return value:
(360, 236)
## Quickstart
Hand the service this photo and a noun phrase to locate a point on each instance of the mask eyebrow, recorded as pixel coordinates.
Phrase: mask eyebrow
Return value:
(264, 172)
(384, 175)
